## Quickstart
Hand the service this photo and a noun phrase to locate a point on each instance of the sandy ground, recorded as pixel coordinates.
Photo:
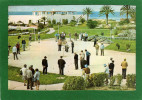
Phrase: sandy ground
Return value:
(37, 51)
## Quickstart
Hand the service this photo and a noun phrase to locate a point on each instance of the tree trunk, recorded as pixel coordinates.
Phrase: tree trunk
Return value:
(107, 19)
(127, 14)
(87, 16)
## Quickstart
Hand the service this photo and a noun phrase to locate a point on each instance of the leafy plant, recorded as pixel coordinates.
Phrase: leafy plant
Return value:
(119, 79)
(131, 81)
(128, 46)
(74, 83)
(73, 22)
(112, 80)
(92, 24)
(82, 20)
(53, 21)
(118, 45)
(65, 21)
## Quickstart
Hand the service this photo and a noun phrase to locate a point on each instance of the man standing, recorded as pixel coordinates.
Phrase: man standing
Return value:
(30, 38)
(107, 72)
(29, 78)
(18, 48)
(75, 36)
(24, 73)
(88, 57)
(102, 49)
(72, 45)
(59, 44)
(38, 38)
(14, 50)
(95, 41)
(124, 65)
(97, 49)
(9, 46)
(70, 36)
(111, 67)
(76, 60)
(61, 64)
(23, 44)
(45, 65)
(82, 56)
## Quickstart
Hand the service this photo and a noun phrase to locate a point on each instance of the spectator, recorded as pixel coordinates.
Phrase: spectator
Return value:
(124, 65)
(14, 50)
(82, 55)
(61, 64)
(72, 45)
(107, 72)
(45, 65)
(111, 67)
(30, 38)
(59, 44)
(87, 71)
(66, 47)
(97, 49)
(75, 36)
(38, 38)
(29, 78)
(36, 77)
(23, 44)
(9, 46)
(88, 57)
(95, 42)
(102, 49)
(24, 73)
(18, 48)
(76, 60)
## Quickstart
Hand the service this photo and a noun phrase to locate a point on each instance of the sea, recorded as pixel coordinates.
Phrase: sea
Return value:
(94, 15)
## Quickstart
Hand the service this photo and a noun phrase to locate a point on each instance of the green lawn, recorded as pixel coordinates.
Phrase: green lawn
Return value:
(50, 78)
(122, 45)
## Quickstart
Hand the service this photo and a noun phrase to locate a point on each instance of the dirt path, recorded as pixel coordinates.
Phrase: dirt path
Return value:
(49, 48)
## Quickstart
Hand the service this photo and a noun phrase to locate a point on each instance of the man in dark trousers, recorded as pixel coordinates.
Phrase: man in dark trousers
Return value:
(72, 45)
(61, 64)
(45, 65)
(76, 60)
(87, 57)
(111, 67)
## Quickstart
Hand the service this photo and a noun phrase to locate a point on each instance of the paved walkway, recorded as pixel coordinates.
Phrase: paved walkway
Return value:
(49, 48)
(13, 85)
(51, 31)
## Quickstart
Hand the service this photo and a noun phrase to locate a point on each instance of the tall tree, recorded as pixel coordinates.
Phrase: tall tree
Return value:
(44, 19)
(106, 10)
(133, 13)
(87, 11)
(125, 9)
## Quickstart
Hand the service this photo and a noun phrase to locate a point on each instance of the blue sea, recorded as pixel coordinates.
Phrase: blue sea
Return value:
(94, 15)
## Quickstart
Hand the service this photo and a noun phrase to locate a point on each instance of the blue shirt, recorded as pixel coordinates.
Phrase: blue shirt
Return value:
(87, 53)
(102, 47)
(37, 75)
(107, 70)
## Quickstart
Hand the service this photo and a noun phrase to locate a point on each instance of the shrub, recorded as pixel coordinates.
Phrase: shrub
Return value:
(65, 21)
(98, 79)
(53, 21)
(118, 45)
(73, 22)
(74, 83)
(82, 20)
(58, 23)
(128, 46)
(126, 21)
(112, 80)
(50, 25)
(131, 81)
(49, 21)
(40, 26)
(119, 79)
(92, 24)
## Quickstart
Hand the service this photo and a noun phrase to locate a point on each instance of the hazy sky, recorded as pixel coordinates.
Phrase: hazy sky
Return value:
(59, 8)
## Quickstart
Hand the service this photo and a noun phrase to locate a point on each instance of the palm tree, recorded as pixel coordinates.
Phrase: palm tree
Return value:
(106, 10)
(133, 13)
(87, 11)
(125, 9)
(44, 19)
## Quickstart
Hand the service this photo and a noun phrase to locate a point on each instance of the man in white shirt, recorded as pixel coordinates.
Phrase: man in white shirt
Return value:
(29, 78)
(24, 73)
(82, 56)
(14, 50)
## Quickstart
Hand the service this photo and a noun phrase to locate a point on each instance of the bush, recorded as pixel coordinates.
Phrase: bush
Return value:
(131, 81)
(40, 26)
(50, 25)
(96, 79)
(112, 80)
(126, 21)
(92, 24)
(82, 20)
(118, 45)
(128, 46)
(58, 23)
(119, 79)
(74, 83)
(65, 21)
(73, 22)
(49, 21)
(53, 21)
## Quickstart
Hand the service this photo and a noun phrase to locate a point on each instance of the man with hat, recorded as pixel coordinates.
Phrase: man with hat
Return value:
(124, 65)
(45, 65)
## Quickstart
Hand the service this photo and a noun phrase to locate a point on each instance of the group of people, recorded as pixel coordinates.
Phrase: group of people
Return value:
(31, 76)
(110, 68)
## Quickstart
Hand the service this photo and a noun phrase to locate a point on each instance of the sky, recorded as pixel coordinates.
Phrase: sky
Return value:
(59, 8)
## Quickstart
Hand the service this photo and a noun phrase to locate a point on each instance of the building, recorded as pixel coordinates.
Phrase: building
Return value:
(50, 15)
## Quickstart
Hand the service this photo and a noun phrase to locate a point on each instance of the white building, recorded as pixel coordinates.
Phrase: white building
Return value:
(50, 15)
